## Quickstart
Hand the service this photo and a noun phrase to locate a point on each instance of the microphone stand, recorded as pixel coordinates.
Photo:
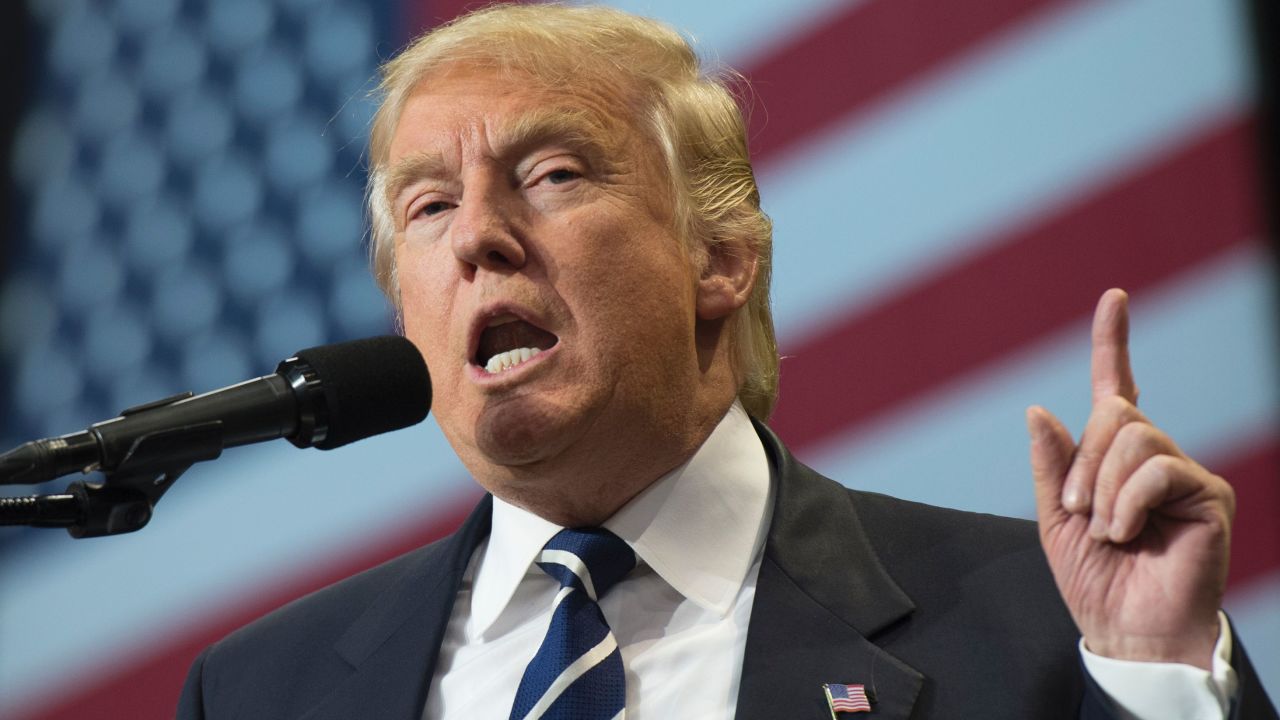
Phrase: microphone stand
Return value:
(124, 500)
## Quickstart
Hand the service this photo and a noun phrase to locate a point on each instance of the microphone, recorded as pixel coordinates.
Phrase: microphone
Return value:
(322, 397)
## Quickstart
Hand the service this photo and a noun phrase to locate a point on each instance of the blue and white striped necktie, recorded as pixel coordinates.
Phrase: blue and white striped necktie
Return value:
(577, 673)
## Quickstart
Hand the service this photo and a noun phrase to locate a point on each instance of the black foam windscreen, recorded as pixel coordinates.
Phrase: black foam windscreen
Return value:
(371, 386)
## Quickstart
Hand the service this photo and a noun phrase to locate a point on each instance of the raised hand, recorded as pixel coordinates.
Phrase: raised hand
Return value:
(1137, 533)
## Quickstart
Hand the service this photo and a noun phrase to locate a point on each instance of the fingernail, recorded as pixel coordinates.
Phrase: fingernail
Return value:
(1116, 532)
(1074, 499)
(1097, 528)
(1071, 498)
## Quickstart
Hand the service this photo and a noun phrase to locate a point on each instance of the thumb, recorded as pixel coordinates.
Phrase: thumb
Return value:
(1051, 452)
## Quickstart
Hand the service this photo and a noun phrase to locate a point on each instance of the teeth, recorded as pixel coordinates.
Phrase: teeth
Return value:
(509, 359)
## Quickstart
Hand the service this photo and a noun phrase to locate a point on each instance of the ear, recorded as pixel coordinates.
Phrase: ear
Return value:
(728, 275)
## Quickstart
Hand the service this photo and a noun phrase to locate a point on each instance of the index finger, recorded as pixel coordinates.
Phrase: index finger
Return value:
(1111, 373)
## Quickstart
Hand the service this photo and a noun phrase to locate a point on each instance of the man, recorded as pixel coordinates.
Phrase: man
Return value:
(565, 213)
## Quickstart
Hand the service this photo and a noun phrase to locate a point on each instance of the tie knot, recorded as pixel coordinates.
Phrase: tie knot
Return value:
(590, 559)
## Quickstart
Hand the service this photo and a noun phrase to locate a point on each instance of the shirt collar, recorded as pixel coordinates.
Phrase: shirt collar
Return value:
(699, 527)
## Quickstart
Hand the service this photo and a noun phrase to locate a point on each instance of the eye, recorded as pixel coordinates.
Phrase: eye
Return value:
(434, 208)
(561, 176)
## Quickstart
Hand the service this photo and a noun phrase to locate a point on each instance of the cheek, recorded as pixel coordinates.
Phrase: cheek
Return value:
(416, 306)
(422, 333)
(642, 304)
(425, 309)
(420, 272)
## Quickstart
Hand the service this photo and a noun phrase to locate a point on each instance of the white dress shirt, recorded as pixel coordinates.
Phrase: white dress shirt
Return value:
(680, 618)
(1145, 691)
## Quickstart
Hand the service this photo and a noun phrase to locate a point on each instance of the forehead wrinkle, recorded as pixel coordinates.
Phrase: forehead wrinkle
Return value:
(576, 128)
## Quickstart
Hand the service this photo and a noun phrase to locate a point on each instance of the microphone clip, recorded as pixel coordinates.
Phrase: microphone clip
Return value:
(124, 500)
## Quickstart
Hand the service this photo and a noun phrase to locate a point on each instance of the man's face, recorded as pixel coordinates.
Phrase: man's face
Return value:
(527, 228)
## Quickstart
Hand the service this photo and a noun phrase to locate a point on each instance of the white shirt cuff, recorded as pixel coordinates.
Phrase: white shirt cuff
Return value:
(1150, 690)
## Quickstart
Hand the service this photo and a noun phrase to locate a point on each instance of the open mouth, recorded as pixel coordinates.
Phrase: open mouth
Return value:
(508, 342)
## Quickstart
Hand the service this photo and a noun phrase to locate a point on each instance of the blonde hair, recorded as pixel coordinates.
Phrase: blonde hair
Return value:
(691, 115)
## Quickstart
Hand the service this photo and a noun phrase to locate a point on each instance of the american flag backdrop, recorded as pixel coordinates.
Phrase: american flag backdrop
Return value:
(953, 183)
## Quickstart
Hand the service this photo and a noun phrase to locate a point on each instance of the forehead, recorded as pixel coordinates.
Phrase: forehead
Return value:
(497, 109)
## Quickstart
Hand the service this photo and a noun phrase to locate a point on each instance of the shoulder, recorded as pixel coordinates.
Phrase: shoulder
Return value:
(935, 552)
(959, 569)
(308, 631)
(319, 618)
(286, 661)
(983, 604)
(910, 530)
(925, 549)
(352, 635)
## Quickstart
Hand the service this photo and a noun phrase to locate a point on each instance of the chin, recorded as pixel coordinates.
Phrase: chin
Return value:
(521, 432)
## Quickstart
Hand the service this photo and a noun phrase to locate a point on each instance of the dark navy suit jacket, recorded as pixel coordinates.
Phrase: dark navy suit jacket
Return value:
(940, 613)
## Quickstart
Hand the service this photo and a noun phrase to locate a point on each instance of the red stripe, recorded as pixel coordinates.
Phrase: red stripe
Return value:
(1255, 539)
(860, 55)
(1135, 233)
(149, 687)
(427, 14)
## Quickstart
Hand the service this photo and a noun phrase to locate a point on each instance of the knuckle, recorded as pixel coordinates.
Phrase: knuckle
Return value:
(1116, 410)
(1221, 485)
(1228, 498)
(1140, 436)
(1135, 433)
(1107, 485)
(1115, 405)
(1165, 467)
(1131, 413)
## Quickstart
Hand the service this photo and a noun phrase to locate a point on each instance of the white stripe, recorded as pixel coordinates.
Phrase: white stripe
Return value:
(922, 179)
(577, 669)
(755, 28)
(560, 596)
(1201, 348)
(574, 564)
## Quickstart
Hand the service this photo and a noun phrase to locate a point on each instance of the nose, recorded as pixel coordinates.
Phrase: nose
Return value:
(485, 232)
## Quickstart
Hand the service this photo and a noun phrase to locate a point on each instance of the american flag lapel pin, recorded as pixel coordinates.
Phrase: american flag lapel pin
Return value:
(846, 699)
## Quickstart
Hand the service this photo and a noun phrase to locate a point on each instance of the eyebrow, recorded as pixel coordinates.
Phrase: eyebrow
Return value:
(575, 127)
(409, 170)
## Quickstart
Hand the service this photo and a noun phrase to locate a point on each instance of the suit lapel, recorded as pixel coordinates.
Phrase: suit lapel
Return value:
(822, 595)
(393, 646)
